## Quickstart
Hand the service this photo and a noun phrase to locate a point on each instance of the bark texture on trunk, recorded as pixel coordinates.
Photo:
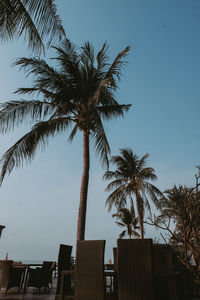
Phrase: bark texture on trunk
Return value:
(84, 188)
(139, 215)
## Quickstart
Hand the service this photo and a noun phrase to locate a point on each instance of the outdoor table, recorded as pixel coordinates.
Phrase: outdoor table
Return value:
(26, 274)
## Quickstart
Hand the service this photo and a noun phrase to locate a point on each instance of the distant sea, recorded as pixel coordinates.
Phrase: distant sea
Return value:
(32, 261)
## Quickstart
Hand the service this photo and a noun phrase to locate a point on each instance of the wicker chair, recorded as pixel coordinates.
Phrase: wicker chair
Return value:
(40, 277)
(64, 263)
(165, 275)
(11, 276)
(52, 269)
(89, 272)
(115, 271)
(134, 269)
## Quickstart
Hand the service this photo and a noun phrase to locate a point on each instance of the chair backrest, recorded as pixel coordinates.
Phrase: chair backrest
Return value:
(134, 268)
(46, 266)
(165, 287)
(115, 258)
(53, 267)
(17, 276)
(5, 271)
(89, 279)
(115, 271)
(64, 263)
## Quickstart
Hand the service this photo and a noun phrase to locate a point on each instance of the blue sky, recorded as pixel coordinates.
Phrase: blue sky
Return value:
(39, 202)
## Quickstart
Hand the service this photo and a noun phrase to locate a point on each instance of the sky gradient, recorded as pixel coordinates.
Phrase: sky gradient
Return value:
(39, 202)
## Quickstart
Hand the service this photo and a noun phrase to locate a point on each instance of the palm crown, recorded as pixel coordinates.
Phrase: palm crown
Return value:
(77, 96)
(131, 178)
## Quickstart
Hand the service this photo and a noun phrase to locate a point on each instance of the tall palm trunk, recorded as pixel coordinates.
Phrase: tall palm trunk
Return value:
(84, 187)
(137, 196)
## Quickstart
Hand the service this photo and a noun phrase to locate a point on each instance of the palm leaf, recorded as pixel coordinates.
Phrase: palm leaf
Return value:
(15, 112)
(35, 18)
(102, 58)
(117, 198)
(116, 67)
(122, 234)
(115, 184)
(100, 140)
(24, 149)
(109, 111)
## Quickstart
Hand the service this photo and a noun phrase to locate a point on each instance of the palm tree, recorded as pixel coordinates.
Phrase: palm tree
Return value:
(78, 95)
(128, 220)
(37, 19)
(131, 178)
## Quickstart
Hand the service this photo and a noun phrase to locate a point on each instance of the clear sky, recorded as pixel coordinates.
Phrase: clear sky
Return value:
(39, 202)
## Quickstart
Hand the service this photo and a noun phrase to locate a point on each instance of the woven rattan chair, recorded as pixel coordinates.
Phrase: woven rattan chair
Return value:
(11, 276)
(40, 277)
(134, 269)
(115, 271)
(165, 274)
(89, 272)
(64, 263)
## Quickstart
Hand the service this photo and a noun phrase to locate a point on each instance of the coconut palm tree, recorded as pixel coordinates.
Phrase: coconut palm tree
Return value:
(37, 19)
(79, 95)
(131, 178)
(128, 220)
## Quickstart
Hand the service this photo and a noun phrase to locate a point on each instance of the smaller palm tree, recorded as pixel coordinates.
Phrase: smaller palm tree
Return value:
(128, 220)
(131, 178)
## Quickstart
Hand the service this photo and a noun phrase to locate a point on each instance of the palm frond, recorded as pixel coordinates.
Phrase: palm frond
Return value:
(102, 58)
(120, 224)
(132, 210)
(15, 20)
(13, 113)
(116, 198)
(115, 184)
(73, 133)
(35, 18)
(112, 174)
(146, 202)
(154, 193)
(69, 60)
(109, 111)
(100, 140)
(122, 234)
(24, 149)
(135, 233)
(44, 14)
(34, 66)
(143, 161)
(45, 77)
(148, 174)
(116, 67)
(87, 55)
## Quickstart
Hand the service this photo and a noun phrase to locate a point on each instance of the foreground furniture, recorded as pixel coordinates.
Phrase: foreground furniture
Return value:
(89, 272)
(40, 277)
(64, 263)
(115, 271)
(165, 275)
(11, 276)
(134, 269)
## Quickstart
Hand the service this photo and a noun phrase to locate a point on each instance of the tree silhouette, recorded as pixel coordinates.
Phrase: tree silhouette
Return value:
(131, 177)
(79, 95)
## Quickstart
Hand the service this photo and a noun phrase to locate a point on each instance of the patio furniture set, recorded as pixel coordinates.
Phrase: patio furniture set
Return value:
(141, 271)
(22, 276)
